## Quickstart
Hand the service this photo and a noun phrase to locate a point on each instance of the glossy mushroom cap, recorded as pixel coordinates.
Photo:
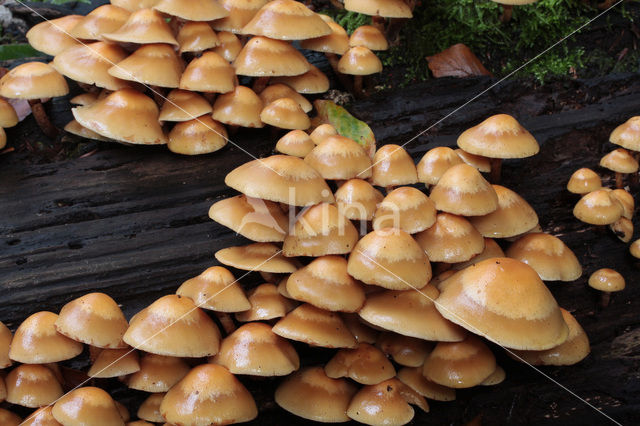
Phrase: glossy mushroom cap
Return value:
(196, 37)
(173, 326)
(240, 13)
(296, 143)
(435, 162)
(505, 301)
(598, 208)
(94, 319)
(405, 208)
(285, 113)
(499, 136)
(627, 135)
(462, 190)
(627, 202)
(483, 164)
(413, 377)
(97, 59)
(87, 406)
(150, 408)
(240, 107)
(405, 350)
(620, 161)
(312, 395)
(115, 363)
(390, 258)
(8, 116)
(583, 181)
(623, 229)
(154, 64)
(547, 255)
(144, 26)
(32, 385)
(133, 5)
(5, 342)
(183, 105)
(256, 219)
(209, 394)
(192, 10)
(606, 279)
(451, 239)
(362, 332)
(369, 37)
(266, 303)
(336, 42)
(52, 36)
(103, 19)
(77, 129)
(513, 216)
(322, 132)
(33, 80)
(7, 418)
(286, 20)
(491, 250)
(312, 81)
(365, 364)
(201, 135)
(264, 57)
(357, 199)
(279, 91)
(359, 60)
(383, 8)
(256, 257)
(41, 417)
(158, 373)
(215, 289)
(208, 73)
(229, 47)
(634, 249)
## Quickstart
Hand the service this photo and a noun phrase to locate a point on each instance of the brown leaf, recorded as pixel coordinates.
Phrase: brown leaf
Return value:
(456, 61)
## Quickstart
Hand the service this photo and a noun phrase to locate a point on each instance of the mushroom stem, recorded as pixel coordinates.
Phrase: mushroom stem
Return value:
(260, 83)
(357, 86)
(507, 11)
(496, 170)
(37, 109)
(605, 298)
(378, 22)
(226, 321)
(619, 178)
(344, 80)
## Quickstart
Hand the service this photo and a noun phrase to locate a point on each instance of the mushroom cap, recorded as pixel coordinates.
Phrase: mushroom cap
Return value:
(383, 8)
(393, 166)
(144, 26)
(183, 105)
(478, 161)
(36, 341)
(513, 216)
(86, 406)
(598, 208)
(173, 326)
(362, 332)
(5, 342)
(322, 132)
(495, 378)
(208, 73)
(364, 364)
(280, 90)
(451, 239)
(634, 249)
(296, 143)
(264, 57)
(201, 135)
(462, 190)
(572, 351)
(41, 417)
(103, 19)
(620, 161)
(369, 37)
(505, 301)
(623, 228)
(606, 279)
(312, 81)
(627, 135)
(335, 42)
(286, 20)
(499, 136)
(196, 37)
(96, 59)
(405, 350)
(547, 255)
(7, 418)
(8, 116)
(115, 363)
(491, 250)
(326, 284)
(158, 373)
(460, 364)
(255, 350)
(390, 258)
(192, 10)
(315, 327)
(126, 115)
(413, 377)
(208, 394)
(280, 178)
(229, 47)
(133, 5)
(240, 13)
(33, 80)
(435, 162)
(150, 408)
(357, 199)
(312, 395)
(405, 208)
(285, 113)
(626, 200)
(583, 181)
(256, 219)
(154, 64)
(52, 36)
(359, 60)
(77, 129)
(410, 313)
(240, 107)
(340, 158)
(386, 403)
(216, 289)
(94, 319)
(266, 303)
(264, 257)
(32, 385)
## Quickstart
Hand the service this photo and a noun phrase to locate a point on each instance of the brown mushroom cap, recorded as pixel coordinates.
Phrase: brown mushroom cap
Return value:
(174, 326)
(312, 81)
(133, 5)
(183, 105)
(322, 132)
(390, 258)
(208, 73)
(154, 64)
(583, 181)
(627, 201)
(240, 107)
(296, 143)
(315, 327)
(266, 303)
(383, 8)
(94, 319)
(87, 406)
(33, 80)
(326, 284)
(606, 279)
(410, 313)
(623, 229)
(158, 373)
(255, 350)
(491, 250)
(77, 129)
(405, 208)
(462, 190)
(201, 135)
(192, 10)
(620, 161)
(627, 135)
(513, 216)
(144, 26)
(256, 219)
(126, 115)
(36, 341)
(312, 395)
(8, 116)
(196, 37)
(103, 19)
(359, 60)
(336, 42)
(285, 113)
(451, 239)
(215, 289)
(499, 136)
(286, 20)
(362, 332)
(364, 364)
(282, 179)
(634, 249)
(229, 47)
(32, 385)
(264, 57)
(41, 417)
(240, 13)
(413, 377)
(572, 351)
(150, 408)
(209, 394)
(279, 91)
(495, 378)
(405, 350)
(547, 255)
(52, 36)
(505, 301)
(483, 164)
(5, 342)
(598, 208)
(357, 199)
(115, 363)
(370, 37)
(7, 418)
(460, 364)
(256, 257)
(435, 162)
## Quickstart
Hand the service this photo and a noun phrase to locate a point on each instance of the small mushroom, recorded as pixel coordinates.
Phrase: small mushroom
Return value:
(183, 105)
(584, 181)
(52, 36)
(240, 107)
(240, 13)
(463, 191)
(405, 208)
(634, 249)
(263, 257)
(201, 135)
(229, 47)
(192, 10)
(359, 61)
(340, 158)
(208, 73)
(606, 281)
(103, 19)
(5, 342)
(621, 162)
(196, 37)
(151, 64)
(491, 250)
(434, 163)
(158, 373)
(598, 208)
(623, 228)
(393, 166)
(144, 26)
(547, 255)
(114, 363)
(364, 364)
(357, 199)
(296, 143)
(256, 219)
(495, 378)
(626, 200)
(405, 350)
(413, 377)
(285, 113)
(7, 418)
(311, 82)
(41, 417)
(87, 405)
(451, 239)
(150, 408)
(266, 304)
(33, 386)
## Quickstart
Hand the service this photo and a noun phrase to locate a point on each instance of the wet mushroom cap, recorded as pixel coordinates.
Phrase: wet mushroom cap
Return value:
(357, 199)
(336, 42)
(598, 208)
(158, 373)
(392, 166)
(215, 289)
(285, 113)
(634, 249)
(77, 129)
(279, 90)
(196, 37)
(192, 10)
(583, 181)
(33, 386)
(153, 64)
(52, 36)
(5, 342)
(286, 20)
(201, 135)
(87, 405)
(495, 378)
(115, 363)
(413, 377)
(383, 8)
(548, 255)
(359, 60)
(513, 216)
(256, 257)
(103, 19)
(7, 418)
(481, 163)
(364, 364)
(8, 116)
(491, 250)
(296, 143)
(183, 105)
(463, 191)
(607, 279)
(266, 303)
(340, 158)
(620, 161)
(322, 132)
(240, 107)
(150, 408)
(144, 26)
(240, 13)
(362, 332)
(33, 80)
(623, 229)
(627, 201)
(208, 73)
(229, 47)
(405, 208)
(499, 136)
(370, 37)
(451, 239)
(264, 57)
(311, 82)
(41, 417)
(404, 350)
(435, 162)
(627, 135)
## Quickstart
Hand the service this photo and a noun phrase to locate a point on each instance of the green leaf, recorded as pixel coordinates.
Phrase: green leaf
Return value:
(345, 124)
(17, 51)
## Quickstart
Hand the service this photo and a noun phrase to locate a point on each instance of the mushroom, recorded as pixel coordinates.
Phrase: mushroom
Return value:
(279, 90)
(332, 45)
(263, 257)
(598, 208)
(114, 363)
(463, 191)
(369, 37)
(451, 239)
(395, 10)
(362, 332)
(240, 107)
(621, 162)
(404, 350)
(627, 135)
(322, 132)
(201, 135)
(413, 377)
(152, 64)
(240, 13)
(491, 250)
(547, 255)
(478, 161)
(285, 113)
(286, 20)
(192, 10)
(150, 408)
(103, 19)
(340, 158)
(77, 129)
(41, 417)
(196, 37)
(183, 105)
(52, 36)
(434, 163)
(634, 249)
(208, 73)
(606, 281)
(256, 219)
(97, 58)
(495, 378)
(7, 418)
(359, 61)
(405, 208)
(296, 143)
(584, 181)
(33, 386)
(507, 7)
(144, 26)
(229, 47)
(364, 364)
(87, 405)
(5, 342)
(311, 82)
(393, 166)
(34, 81)
(266, 304)
(623, 228)
(158, 373)
(357, 199)
(626, 200)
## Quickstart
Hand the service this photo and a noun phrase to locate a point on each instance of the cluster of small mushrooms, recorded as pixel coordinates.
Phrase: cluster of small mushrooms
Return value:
(169, 71)
(406, 288)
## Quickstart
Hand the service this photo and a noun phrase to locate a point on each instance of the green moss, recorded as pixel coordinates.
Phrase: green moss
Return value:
(349, 20)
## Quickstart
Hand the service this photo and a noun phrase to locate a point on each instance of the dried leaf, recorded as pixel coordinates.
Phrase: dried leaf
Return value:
(456, 61)
(345, 124)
